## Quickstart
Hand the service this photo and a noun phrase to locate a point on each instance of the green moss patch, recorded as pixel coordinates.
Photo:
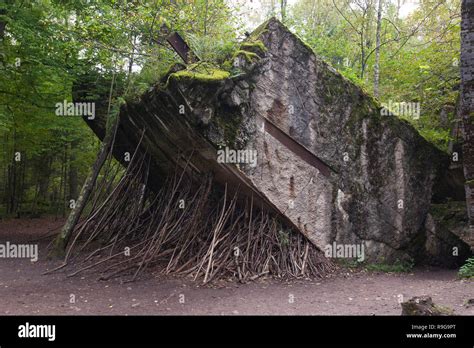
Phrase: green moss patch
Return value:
(200, 72)
(249, 56)
(253, 46)
(229, 121)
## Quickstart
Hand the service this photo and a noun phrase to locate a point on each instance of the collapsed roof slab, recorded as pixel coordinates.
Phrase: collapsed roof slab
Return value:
(328, 160)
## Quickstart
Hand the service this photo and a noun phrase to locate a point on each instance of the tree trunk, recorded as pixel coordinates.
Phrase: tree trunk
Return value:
(377, 50)
(3, 24)
(44, 168)
(283, 4)
(63, 238)
(362, 54)
(21, 188)
(467, 101)
(11, 209)
(12, 179)
(205, 17)
(73, 169)
(64, 182)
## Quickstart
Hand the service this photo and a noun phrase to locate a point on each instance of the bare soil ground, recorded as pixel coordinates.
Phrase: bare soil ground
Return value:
(25, 291)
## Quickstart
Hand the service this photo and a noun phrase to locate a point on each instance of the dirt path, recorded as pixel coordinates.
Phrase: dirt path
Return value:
(23, 290)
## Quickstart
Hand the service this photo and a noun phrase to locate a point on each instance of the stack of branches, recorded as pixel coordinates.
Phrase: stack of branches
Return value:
(191, 227)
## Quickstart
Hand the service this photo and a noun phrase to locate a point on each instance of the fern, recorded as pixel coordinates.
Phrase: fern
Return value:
(467, 270)
(210, 50)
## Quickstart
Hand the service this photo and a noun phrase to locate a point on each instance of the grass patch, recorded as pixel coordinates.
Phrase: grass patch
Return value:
(397, 267)
(349, 263)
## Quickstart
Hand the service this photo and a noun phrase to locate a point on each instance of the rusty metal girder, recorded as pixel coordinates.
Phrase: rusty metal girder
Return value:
(181, 47)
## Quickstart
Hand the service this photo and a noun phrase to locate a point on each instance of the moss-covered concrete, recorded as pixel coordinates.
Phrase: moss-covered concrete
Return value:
(204, 75)
(252, 46)
(250, 57)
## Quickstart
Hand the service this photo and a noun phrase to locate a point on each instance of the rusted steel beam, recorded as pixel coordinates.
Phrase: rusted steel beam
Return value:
(181, 47)
(298, 149)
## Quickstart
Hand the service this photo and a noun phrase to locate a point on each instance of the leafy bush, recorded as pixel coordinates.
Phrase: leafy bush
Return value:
(467, 270)
(438, 137)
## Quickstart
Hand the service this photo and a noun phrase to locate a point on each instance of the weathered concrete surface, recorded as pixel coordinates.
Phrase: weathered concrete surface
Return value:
(328, 162)
(446, 226)
(383, 172)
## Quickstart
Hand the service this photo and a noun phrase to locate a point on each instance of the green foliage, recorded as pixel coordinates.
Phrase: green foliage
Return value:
(467, 270)
(63, 50)
(397, 267)
(419, 53)
(210, 50)
(438, 136)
